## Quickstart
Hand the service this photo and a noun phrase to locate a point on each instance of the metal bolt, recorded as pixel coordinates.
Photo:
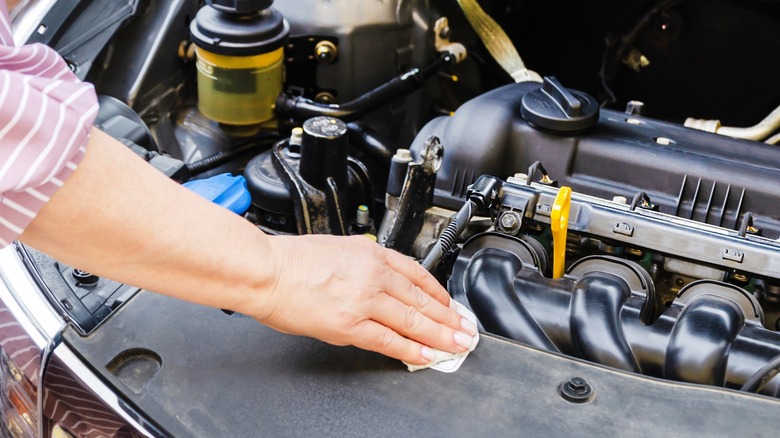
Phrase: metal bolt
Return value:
(510, 222)
(432, 153)
(578, 384)
(325, 97)
(325, 51)
(576, 390)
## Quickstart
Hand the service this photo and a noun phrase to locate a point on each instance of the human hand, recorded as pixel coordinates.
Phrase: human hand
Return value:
(351, 291)
(342, 290)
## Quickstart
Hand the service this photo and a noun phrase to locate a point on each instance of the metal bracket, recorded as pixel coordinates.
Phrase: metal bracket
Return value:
(416, 197)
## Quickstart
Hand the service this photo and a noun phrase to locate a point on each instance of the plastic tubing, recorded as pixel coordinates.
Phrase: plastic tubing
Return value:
(757, 132)
(222, 157)
(775, 139)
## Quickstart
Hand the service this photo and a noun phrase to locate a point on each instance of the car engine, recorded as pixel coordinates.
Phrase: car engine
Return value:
(562, 197)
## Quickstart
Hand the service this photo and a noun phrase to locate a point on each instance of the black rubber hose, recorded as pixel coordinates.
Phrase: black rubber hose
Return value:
(447, 239)
(372, 143)
(300, 108)
(757, 381)
(222, 157)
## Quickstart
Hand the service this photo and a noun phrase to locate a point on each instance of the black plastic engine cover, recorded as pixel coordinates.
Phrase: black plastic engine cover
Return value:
(687, 173)
(228, 376)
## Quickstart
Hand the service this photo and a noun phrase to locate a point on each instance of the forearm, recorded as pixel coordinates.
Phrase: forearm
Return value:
(107, 219)
(118, 217)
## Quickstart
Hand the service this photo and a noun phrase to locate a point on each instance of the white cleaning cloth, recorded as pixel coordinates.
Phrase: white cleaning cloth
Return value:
(449, 362)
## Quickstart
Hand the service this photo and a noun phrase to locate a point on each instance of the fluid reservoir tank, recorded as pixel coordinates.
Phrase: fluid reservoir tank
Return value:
(239, 54)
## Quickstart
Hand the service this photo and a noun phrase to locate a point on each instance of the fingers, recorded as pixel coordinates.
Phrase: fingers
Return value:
(388, 303)
(381, 339)
(413, 324)
(400, 288)
(424, 293)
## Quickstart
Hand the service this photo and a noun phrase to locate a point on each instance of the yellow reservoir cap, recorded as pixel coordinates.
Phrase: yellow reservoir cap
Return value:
(239, 90)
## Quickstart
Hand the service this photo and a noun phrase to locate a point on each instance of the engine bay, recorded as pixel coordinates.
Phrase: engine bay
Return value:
(568, 203)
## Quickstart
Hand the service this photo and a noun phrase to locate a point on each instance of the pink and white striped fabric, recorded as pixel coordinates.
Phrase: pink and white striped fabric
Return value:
(46, 114)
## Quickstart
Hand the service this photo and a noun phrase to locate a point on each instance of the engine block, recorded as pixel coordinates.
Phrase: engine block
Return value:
(672, 258)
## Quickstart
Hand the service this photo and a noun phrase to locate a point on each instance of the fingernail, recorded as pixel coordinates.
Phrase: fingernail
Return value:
(428, 354)
(463, 339)
(468, 326)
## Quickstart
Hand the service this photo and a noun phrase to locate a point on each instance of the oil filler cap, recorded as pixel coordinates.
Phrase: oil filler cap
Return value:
(556, 108)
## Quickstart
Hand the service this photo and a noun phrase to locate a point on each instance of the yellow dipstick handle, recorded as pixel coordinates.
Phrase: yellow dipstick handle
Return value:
(559, 222)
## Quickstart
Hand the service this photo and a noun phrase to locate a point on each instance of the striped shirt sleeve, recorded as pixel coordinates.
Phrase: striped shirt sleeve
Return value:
(45, 118)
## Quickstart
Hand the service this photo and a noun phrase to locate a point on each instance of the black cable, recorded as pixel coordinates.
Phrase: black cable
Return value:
(222, 157)
(536, 166)
(746, 224)
(482, 196)
(757, 381)
(640, 199)
(446, 241)
(300, 108)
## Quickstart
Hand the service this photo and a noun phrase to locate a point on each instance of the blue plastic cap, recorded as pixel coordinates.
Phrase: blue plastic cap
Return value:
(226, 190)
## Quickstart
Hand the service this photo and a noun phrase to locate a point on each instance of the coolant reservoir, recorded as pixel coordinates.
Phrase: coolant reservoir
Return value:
(239, 54)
